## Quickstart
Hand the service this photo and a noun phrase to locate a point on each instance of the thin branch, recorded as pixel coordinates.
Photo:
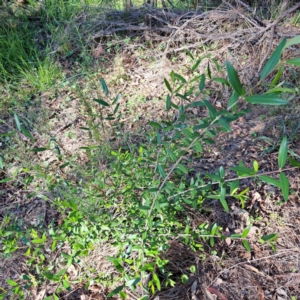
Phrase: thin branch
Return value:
(232, 179)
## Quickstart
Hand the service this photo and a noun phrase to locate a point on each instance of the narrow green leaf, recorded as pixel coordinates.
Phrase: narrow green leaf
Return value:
(277, 77)
(294, 41)
(189, 54)
(246, 231)
(233, 101)
(101, 102)
(214, 229)
(1, 163)
(270, 180)
(51, 276)
(255, 166)
(285, 186)
(221, 80)
(216, 64)
(179, 77)
(17, 121)
(179, 88)
(294, 162)
(209, 106)
(188, 133)
(280, 90)
(104, 86)
(11, 282)
(11, 133)
(132, 282)
(66, 285)
(234, 79)
(235, 236)
(39, 149)
(155, 125)
(161, 171)
(156, 281)
(118, 97)
(195, 66)
(184, 97)
(222, 121)
(243, 171)
(266, 99)
(294, 61)
(168, 85)
(223, 200)
(246, 245)
(6, 180)
(171, 154)
(198, 147)
(168, 102)
(183, 168)
(273, 60)
(208, 70)
(116, 108)
(202, 82)
(282, 154)
(26, 133)
(270, 237)
(115, 291)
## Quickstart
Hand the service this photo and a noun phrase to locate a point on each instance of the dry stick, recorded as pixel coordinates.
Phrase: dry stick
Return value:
(292, 9)
(255, 17)
(240, 14)
(268, 51)
(232, 179)
(253, 260)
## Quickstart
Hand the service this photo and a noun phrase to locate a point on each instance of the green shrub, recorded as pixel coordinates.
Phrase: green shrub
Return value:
(138, 203)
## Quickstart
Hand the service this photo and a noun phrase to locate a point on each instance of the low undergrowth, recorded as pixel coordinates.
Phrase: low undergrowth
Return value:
(140, 200)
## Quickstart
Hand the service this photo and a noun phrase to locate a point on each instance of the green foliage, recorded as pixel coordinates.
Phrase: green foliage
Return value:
(139, 202)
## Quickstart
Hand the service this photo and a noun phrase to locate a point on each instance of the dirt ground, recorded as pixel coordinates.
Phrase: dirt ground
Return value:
(228, 271)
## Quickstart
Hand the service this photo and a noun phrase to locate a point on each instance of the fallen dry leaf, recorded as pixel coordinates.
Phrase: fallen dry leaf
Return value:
(216, 292)
(260, 290)
(41, 294)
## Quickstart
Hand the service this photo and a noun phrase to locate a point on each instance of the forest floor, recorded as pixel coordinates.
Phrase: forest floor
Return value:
(225, 271)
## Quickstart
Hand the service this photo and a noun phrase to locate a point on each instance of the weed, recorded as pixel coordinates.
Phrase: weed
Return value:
(138, 202)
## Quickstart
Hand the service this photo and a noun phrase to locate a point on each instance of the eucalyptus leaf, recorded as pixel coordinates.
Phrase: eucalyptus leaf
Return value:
(26, 133)
(234, 79)
(270, 180)
(202, 82)
(273, 60)
(285, 186)
(104, 86)
(246, 245)
(266, 99)
(17, 121)
(168, 102)
(294, 61)
(101, 102)
(168, 85)
(293, 41)
(221, 80)
(282, 154)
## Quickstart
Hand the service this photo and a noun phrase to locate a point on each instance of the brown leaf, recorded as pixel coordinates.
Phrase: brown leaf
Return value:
(216, 292)
(260, 290)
